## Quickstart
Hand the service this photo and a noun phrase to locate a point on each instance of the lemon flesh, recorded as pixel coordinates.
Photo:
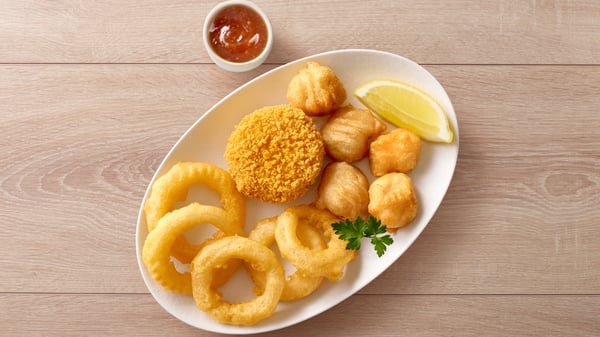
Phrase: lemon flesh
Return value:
(407, 106)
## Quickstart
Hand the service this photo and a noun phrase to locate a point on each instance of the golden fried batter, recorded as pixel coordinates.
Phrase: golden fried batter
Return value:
(316, 90)
(343, 190)
(348, 131)
(275, 154)
(393, 200)
(397, 151)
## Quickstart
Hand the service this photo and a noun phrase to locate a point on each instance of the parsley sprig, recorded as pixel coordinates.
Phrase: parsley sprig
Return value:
(354, 231)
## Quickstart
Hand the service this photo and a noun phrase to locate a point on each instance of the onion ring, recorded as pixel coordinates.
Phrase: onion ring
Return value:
(158, 245)
(300, 283)
(173, 186)
(329, 262)
(215, 255)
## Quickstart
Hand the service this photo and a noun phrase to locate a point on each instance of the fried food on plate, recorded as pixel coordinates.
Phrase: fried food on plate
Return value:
(393, 200)
(328, 262)
(348, 132)
(343, 190)
(275, 154)
(316, 90)
(397, 151)
(300, 283)
(157, 248)
(173, 186)
(259, 257)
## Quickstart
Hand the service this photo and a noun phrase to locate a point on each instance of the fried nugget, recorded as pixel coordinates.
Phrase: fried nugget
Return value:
(348, 132)
(392, 200)
(316, 90)
(275, 153)
(397, 151)
(343, 190)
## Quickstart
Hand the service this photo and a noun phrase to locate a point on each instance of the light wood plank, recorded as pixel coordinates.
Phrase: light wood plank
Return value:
(362, 315)
(158, 31)
(81, 142)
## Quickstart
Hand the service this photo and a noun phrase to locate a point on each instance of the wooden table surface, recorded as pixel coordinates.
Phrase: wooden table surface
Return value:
(94, 93)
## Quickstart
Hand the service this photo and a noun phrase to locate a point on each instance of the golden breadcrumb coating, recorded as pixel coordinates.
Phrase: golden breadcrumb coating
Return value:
(275, 154)
(343, 190)
(316, 90)
(397, 151)
(393, 200)
(348, 132)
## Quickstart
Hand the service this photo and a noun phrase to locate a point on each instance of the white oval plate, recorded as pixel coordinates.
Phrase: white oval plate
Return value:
(206, 140)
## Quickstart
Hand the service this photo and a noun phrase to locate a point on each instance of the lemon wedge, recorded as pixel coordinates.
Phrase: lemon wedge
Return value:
(407, 106)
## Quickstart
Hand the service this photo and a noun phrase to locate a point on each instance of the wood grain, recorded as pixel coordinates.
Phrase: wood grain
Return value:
(390, 315)
(94, 93)
(460, 32)
(82, 142)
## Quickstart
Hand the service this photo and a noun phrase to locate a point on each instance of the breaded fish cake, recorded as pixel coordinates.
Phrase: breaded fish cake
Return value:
(343, 190)
(397, 151)
(348, 132)
(393, 200)
(316, 90)
(274, 154)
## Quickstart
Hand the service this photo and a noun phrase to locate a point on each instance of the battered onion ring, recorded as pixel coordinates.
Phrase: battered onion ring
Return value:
(157, 247)
(300, 283)
(329, 262)
(173, 186)
(261, 258)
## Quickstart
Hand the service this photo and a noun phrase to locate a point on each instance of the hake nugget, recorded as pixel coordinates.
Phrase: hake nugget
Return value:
(393, 200)
(343, 190)
(316, 90)
(397, 151)
(348, 132)
(275, 154)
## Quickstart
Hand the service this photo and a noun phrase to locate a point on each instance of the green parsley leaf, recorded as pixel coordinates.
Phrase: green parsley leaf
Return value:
(354, 231)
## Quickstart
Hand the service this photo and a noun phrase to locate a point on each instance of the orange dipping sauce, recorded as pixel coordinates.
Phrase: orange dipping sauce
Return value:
(238, 33)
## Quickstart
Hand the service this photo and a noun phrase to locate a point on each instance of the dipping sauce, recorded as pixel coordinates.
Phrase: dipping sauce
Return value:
(238, 33)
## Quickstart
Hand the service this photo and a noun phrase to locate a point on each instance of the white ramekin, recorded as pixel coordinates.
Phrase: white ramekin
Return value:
(236, 66)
